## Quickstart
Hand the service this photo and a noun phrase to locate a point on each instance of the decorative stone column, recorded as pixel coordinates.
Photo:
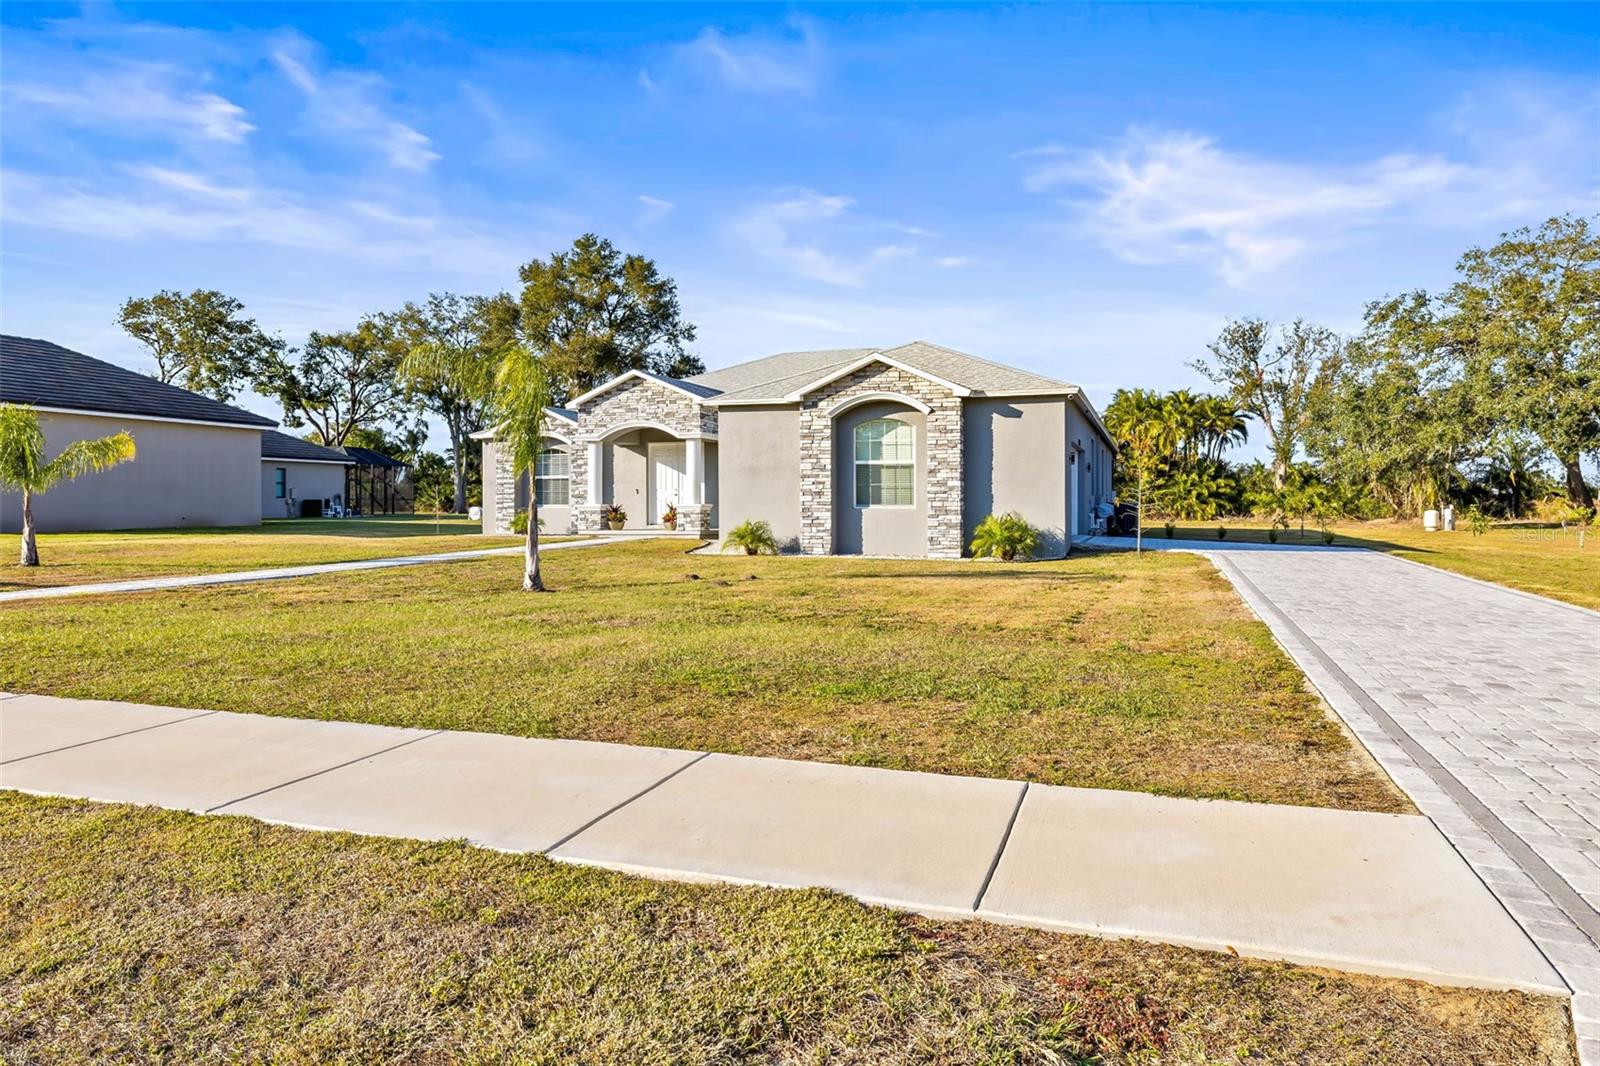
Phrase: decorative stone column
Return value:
(695, 519)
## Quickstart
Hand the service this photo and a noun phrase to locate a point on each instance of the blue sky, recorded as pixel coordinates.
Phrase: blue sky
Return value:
(1086, 192)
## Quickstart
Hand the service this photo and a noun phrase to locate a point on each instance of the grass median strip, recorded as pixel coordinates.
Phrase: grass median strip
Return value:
(132, 933)
(1103, 670)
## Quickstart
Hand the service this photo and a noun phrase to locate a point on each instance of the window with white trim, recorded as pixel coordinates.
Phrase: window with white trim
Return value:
(552, 478)
(885, 461)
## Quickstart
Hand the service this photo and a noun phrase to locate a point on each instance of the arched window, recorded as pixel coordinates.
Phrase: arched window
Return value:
(885, 460)
(552, 478)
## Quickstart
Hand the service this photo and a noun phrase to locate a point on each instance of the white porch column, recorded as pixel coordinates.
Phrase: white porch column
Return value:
(596, 473)
(694, 469)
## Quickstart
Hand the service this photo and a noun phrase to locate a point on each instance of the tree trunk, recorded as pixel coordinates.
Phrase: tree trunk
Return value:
(532, 581)
(1577, 491)
(458, 466)
(30, 543)
(1138, 524)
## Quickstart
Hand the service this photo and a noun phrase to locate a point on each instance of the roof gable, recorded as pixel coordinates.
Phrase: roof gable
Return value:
(38, 373)
(690, 389)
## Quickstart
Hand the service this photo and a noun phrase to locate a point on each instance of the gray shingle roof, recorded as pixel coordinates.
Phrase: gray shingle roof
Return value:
(41, 374)
(777, 376)
(275, 445)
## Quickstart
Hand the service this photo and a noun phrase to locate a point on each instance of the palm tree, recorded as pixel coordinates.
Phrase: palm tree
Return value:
(518, 399)
(23, 466)
(515, 395)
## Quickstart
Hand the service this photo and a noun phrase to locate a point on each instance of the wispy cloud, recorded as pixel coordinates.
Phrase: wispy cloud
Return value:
(653, 209)
(758, 63)
(1162, 196)
(951, 262)
(146, 203)
(138, 96)
(507, 138)
(790, 231)
(350, 104)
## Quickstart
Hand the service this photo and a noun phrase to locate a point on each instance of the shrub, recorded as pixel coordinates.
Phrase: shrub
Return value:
(1327, 536)
(1171, 528)
(615, 513)
(1477, 521)
(1272, 534)
(519, 523)
(1005, 537)
(1222, 532)
(753, 537)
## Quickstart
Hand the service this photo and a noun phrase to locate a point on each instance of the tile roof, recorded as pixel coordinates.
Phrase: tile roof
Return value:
(275, 445)
(41, 374)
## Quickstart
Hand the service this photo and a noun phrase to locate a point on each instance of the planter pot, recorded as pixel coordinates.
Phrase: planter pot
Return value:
(615, 525)
(1430, 521)
(671, 527)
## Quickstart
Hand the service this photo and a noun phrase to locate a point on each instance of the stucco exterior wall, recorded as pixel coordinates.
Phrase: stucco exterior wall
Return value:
(1016, 460)
(878, 530)
(758, 469)
(1094, 460)
(183, 475)
(303, 481)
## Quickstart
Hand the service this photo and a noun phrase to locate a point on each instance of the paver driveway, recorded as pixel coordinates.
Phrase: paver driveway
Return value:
(1483, 703)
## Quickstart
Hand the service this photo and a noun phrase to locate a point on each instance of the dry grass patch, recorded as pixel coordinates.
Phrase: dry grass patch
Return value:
(1103, 670)
(132, 934)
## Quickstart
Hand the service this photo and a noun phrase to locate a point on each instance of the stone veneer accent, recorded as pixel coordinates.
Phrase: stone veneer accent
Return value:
(940, 452)
(635, 400)
(505, 490)
(695, 519)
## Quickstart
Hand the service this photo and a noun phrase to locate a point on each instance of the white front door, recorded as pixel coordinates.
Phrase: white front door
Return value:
(666, 479)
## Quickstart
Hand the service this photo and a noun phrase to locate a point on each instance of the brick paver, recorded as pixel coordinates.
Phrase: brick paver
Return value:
(1492, 701)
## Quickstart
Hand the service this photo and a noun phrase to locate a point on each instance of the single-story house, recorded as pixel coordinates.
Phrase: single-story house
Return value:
(299, 477)
(876, 451)
(198, 460)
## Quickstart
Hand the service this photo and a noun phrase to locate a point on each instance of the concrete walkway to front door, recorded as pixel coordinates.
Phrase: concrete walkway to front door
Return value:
(1375, 893)
(1482, 702)
(183, 581)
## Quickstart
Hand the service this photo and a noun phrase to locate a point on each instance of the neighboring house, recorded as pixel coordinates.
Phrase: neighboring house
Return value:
(377, 484)
(299, 477)
(897, 451)
(198, 461)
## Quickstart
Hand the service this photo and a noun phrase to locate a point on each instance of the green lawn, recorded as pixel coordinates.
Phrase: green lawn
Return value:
(1103, 670)
(133, 934)
(73, 558)
(1546, 560)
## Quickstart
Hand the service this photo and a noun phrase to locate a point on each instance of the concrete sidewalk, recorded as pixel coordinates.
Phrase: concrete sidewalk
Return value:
(153, 584)
(1374, 893)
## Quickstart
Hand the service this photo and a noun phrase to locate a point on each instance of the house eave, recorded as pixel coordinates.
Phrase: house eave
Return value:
(130, 415)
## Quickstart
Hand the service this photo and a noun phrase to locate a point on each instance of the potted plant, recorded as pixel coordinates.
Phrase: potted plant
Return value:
(669, 517)
(616, 517)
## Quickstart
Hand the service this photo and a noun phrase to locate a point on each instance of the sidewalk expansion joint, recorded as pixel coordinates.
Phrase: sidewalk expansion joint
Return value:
(113, 736)
(999, 852)
(319, 773)
(591, 823)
